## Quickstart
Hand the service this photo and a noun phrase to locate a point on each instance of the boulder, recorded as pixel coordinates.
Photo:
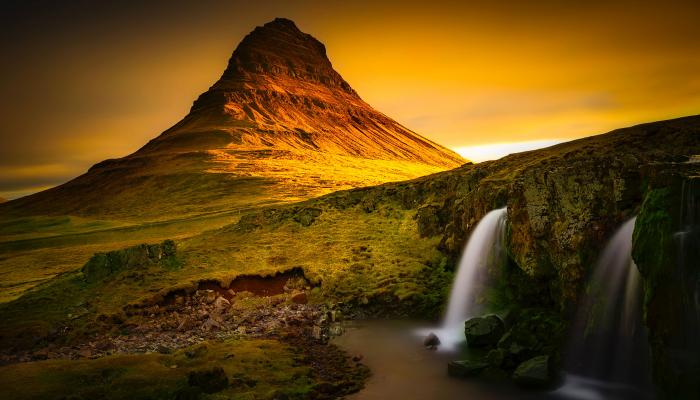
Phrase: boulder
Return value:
(300, 298)
(210, 325)
(483, 331)
(535, 372)
(495, 357)
(465, 368)
(431, 341)
(221, 305)
(208, 380)
(103, 265)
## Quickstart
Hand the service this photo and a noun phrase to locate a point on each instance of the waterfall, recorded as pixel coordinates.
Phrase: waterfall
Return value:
(484, 248)
(609, 342)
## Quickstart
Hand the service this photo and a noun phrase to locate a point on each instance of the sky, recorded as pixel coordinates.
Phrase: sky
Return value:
(82, 81)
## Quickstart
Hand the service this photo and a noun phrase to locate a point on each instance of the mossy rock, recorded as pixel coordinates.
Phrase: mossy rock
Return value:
(484, 331)
(307, 216)
(535, 372)
(103, 265)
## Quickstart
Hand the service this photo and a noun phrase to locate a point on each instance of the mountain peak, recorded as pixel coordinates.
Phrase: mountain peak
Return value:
(279, 51)
(282, 23)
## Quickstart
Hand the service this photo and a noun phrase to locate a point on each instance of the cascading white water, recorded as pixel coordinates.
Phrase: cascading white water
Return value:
(608, 341)
(484, 248)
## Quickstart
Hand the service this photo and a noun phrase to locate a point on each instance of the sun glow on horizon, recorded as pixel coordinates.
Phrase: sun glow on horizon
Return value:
(494, 151)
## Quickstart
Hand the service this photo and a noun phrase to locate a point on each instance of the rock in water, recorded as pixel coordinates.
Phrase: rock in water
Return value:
(431, 341)
(535, 372)
(209, 380)
(465, 368)
(483, 331)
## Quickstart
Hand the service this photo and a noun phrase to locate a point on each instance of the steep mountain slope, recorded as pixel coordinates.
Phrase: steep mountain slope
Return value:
(279, 125)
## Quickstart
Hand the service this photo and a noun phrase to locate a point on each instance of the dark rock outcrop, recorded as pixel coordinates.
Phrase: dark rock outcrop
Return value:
(103, 265)
(666, 248)
(483, 331)
(535, 372)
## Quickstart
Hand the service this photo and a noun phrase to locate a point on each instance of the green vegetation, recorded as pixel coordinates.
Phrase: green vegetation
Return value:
(255, 368)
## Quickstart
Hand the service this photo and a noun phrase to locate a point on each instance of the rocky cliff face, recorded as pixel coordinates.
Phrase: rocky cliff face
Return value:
(279, 125)
(667, 250)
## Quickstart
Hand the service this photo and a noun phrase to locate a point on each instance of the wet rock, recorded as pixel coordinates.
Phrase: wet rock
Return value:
(495, 357)
(483, 331)
(336, 315)
(465, 368)
(208, 380)
(336, 329)
(431, 341)
(536, 372)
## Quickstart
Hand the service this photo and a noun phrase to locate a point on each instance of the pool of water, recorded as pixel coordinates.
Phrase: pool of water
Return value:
(403, 369)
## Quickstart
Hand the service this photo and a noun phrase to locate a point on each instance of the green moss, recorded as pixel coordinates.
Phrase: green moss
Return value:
(255, 368)
(652, 239)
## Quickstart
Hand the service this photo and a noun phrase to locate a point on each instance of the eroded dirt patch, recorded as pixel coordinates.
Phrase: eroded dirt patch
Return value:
(256, 285)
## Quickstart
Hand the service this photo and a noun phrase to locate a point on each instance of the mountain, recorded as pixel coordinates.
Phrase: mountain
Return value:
(279, 125)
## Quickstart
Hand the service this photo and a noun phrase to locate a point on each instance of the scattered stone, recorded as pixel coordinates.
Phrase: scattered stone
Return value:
(535, 372)
(209, 296)
(85, 353)
(336, 315)
(186, 325)
(336, 329)
(221, 305)
(483, 331)
(465, 368)
(163, 349)
(299, 298)
(431, 341)
(211, 324)
(316, 332)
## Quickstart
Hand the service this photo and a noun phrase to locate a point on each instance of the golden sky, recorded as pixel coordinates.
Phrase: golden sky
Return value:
(82, 81)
